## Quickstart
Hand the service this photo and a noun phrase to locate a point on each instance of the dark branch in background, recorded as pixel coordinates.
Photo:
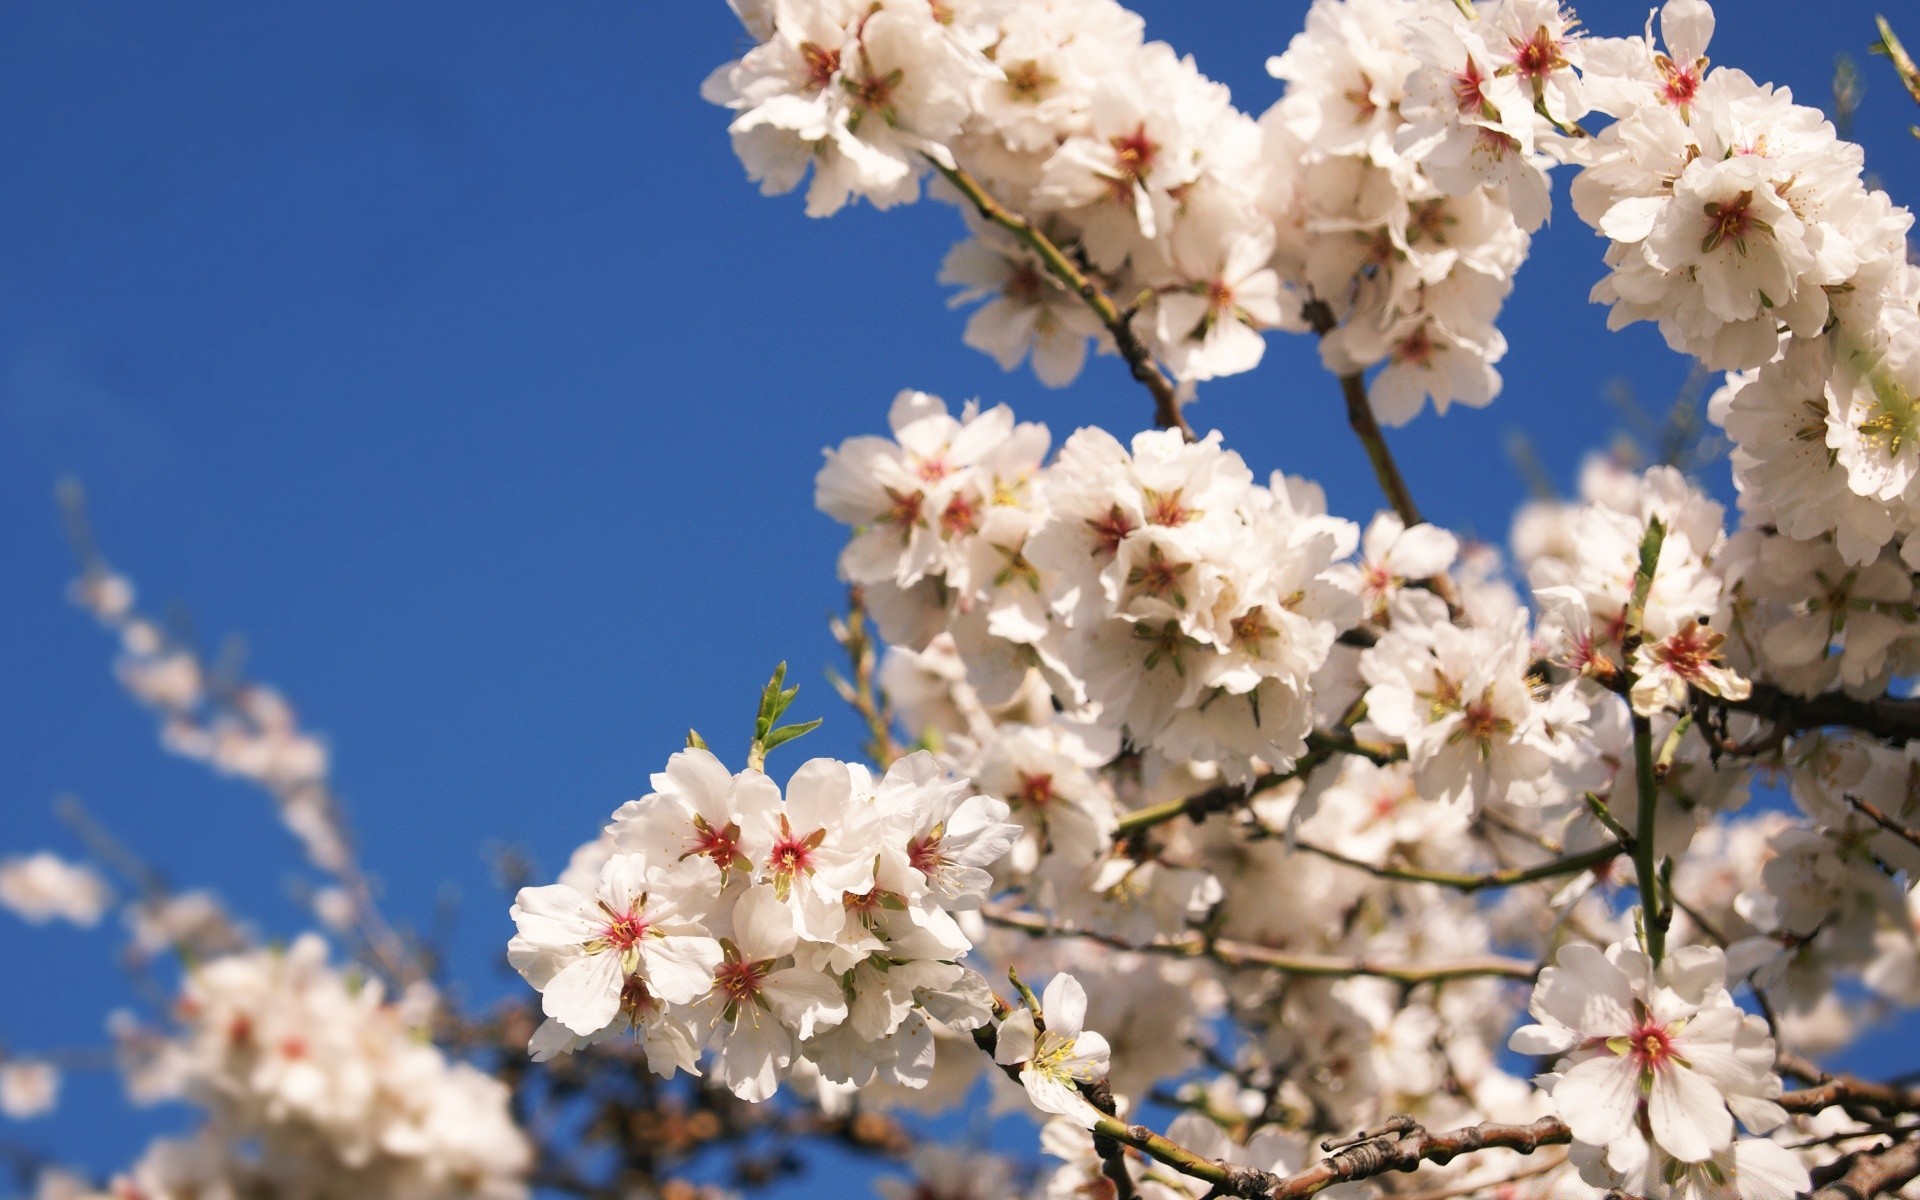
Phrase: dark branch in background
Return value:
(1166, 399)
(1896, 720)
(1870, 1173)
(1573, 864)
(1873, 813)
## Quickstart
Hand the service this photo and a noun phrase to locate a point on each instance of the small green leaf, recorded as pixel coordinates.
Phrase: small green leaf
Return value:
(695, 741)
(786, 733)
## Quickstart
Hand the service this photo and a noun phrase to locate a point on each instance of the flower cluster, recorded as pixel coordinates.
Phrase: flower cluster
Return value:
(237, 727)
(771, 929)
(1657, 1066)
(319, 1085)
(1120, 148)
(1157, 589)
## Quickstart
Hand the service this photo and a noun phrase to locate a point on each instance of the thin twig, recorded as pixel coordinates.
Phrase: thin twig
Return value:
(1873, 813)
(1166, 399)
(1321, 745)
(1249, 955)
(862, 694)
(1508, 877)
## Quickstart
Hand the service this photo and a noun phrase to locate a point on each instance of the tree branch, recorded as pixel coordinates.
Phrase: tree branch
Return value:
(1366, 427)
(1249, 955)
(1321, 745)
(861, 694)
(1874, 1174)
(1508, 877)
(1166, 400)
(1872, 813)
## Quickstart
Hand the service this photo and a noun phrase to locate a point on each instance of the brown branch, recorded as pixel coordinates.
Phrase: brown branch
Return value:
(861, 694)
(1508, 877)
(1402, 1145)
(1251, 956)
(1321, 745)
(1874, 1174)
(1873, 813)
(1366, 427)
(1830, 1089)
(1887, 717)
(1166, 399)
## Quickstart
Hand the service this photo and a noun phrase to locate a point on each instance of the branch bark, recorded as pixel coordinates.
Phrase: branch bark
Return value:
(1874, 1174)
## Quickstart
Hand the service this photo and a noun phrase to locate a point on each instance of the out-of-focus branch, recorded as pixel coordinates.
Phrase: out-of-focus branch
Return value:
(320, 819)
(1872, 813)
(1871, 1173)
(1903, 63)
(1509, 877)
(1251, 956)
(1887, 717)
(1830, 1089)
(861, 693)
(1166, 399)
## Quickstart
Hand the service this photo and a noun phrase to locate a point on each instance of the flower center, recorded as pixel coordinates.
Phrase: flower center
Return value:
(1133, 154)
(961, 516)
(1651, 1046)
(822, 64)
(1036, 791)
(1538, 56)
(740, 982)
(1165, 508)
(1678, 84)
(1109, 531)
(624, 929)
(925, 855)
(1731, 221)
(721, 845)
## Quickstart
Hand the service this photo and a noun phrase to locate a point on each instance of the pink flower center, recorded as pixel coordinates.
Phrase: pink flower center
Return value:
(1036, 791)
(721, 845)
(905, 509)
(740, 982)
(1466, 88)
(1650, 1046)
(1133, 154)
(1678, 84)
(821, 64)
(1166, 508)
(791, 855)
(1538, 56)
(925, 855)
(961, 516)
(625, 929)
(1110, 530)
(1417, 347)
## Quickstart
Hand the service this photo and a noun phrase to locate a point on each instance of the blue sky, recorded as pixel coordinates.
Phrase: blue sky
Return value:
(443, 351)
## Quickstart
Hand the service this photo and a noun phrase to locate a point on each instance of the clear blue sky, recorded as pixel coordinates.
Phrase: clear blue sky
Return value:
(444, 352)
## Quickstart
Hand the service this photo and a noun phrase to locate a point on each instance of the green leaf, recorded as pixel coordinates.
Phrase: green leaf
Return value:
(695, 741)
(786, 733)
